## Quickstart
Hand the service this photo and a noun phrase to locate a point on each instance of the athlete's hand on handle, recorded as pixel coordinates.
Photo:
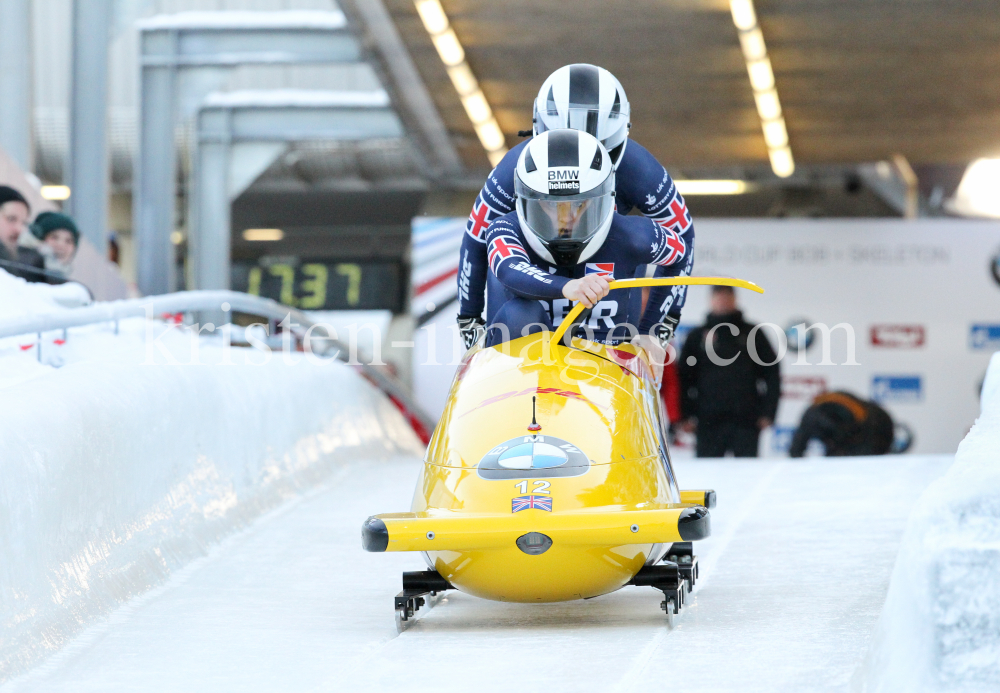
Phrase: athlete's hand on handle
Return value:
(588, 290)
(656, 354)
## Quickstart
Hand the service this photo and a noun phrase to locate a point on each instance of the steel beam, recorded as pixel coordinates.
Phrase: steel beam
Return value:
(238, 119)
(172, 45)
(15, 82)
(88, 126)
(400, 75)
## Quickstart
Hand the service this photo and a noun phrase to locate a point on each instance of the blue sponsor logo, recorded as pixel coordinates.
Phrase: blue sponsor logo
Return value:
(798, 335)
(897, 388)
(781, 438)
(902, 438)
(984, 337)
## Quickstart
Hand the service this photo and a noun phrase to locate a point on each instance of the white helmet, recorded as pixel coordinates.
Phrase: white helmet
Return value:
(565, 187)
(587, 98)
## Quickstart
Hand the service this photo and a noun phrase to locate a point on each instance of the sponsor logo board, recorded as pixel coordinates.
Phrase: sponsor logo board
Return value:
(985, 337)
(898, 336)
(901, 389)
(803, 386)
(799, 337)
(781, 438)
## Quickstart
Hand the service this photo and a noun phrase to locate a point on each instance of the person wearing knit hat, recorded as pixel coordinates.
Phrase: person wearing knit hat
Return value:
(60, 239)
(16, 259)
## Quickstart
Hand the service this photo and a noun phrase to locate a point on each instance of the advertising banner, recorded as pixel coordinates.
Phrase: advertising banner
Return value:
(916, 302)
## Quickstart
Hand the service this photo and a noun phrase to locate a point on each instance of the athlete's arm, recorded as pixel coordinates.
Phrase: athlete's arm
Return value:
(510, 264)
(471, 277)
(663, 308)
(494, 200)
(672, 252)
(642, 182)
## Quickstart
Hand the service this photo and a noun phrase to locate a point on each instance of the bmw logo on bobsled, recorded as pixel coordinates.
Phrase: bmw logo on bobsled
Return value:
(548, 478)
(533, 456)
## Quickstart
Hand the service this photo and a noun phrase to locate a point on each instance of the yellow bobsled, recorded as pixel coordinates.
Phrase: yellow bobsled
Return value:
(548, 478)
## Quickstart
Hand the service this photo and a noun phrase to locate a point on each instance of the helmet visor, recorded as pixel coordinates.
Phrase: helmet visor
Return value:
(571, 220)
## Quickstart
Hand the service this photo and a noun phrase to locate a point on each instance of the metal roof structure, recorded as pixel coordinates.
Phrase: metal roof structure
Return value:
(859, 80)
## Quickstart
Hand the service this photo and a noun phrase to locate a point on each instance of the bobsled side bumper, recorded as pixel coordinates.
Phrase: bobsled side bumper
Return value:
(705, 498)
(453, 532)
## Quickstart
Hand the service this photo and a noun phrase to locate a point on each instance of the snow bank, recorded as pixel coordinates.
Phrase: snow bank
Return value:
(117, 468)
(940, 627)
(19, 298)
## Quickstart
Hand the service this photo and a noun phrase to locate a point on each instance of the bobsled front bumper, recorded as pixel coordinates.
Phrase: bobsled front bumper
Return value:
(457, 532)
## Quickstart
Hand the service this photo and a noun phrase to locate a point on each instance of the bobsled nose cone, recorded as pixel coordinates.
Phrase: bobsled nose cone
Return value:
(374, 535)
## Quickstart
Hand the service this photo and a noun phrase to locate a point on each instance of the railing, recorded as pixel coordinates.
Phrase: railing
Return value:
(212, 302)
(50, 276)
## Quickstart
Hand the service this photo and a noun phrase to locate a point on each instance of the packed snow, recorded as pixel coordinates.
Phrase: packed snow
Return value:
(19, 298)
(128, 450)
(940, 628)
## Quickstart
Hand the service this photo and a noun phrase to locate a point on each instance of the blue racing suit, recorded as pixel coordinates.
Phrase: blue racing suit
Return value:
(526, 290)
(640, 183)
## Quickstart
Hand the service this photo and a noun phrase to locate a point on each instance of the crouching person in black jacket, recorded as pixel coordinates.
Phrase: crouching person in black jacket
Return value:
(729, 391)
(846, 425)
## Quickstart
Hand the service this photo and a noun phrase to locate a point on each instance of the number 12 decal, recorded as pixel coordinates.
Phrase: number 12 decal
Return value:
(540, 486)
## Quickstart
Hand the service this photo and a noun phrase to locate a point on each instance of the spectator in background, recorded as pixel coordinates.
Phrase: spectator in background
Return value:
(727, 396)
(60, 239)
(16, 259)
(114, 252)
(845, 425)
(670, 392)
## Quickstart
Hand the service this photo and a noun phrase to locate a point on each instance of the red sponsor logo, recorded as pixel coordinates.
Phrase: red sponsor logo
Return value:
(569, 394)
(898, 336)
(803, 386)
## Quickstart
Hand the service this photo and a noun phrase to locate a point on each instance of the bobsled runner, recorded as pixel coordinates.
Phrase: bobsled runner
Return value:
(548, 478)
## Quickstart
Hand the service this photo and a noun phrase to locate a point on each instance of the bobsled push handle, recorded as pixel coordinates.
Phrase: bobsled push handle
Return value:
(654, 281)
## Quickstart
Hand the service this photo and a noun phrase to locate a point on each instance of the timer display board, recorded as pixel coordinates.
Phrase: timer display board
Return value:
(324, 284)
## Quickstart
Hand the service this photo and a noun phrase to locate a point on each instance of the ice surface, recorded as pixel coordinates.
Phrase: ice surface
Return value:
(793, 579)
(940, 629)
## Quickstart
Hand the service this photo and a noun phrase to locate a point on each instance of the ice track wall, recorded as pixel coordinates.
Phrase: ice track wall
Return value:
(940, 627)
(113, 477)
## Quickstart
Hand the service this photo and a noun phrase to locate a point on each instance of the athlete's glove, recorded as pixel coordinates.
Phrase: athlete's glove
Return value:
(664, 331)
(471, 329)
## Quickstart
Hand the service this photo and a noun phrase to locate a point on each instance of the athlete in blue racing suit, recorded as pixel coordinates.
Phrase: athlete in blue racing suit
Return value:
(642, 183)
(525, 290)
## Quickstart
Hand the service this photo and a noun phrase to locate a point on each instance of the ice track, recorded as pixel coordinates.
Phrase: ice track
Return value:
(793, 581)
